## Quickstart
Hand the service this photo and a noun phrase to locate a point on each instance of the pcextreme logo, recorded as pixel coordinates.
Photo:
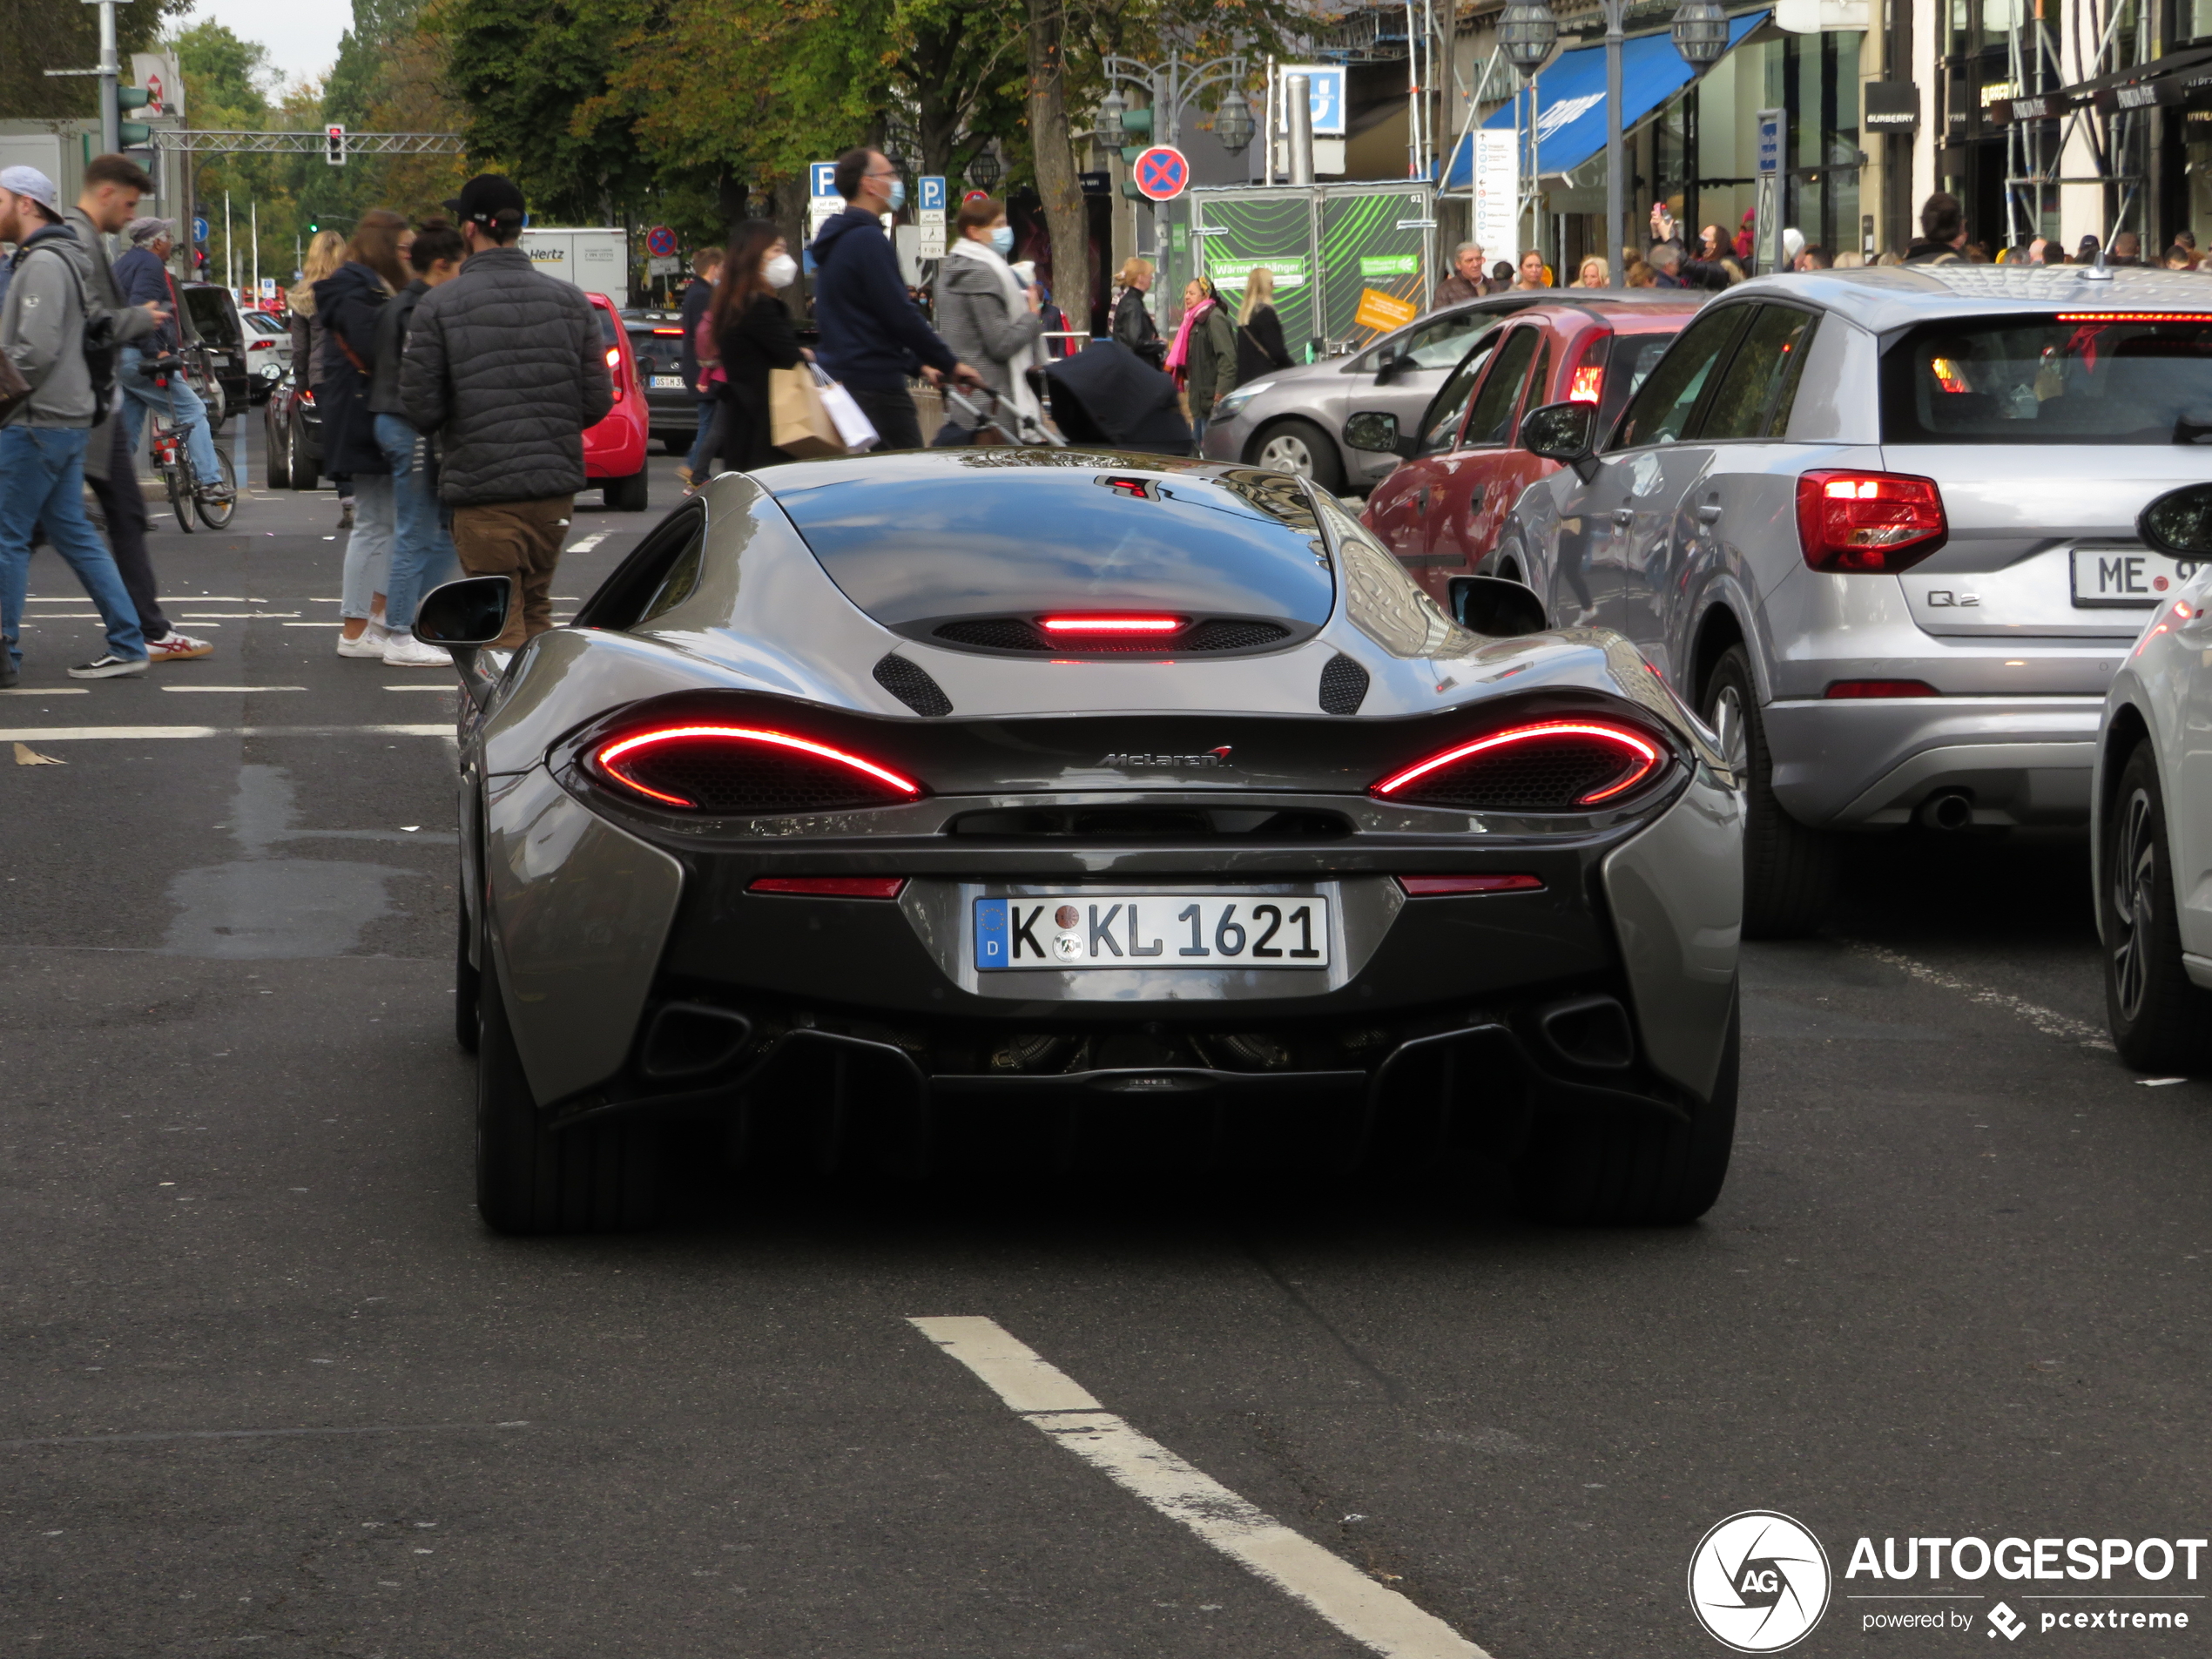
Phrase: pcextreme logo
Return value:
(1758, 1581)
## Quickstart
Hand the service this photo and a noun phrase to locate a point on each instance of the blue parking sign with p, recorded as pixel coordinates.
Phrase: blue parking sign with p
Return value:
(821, 177)
(933, 194)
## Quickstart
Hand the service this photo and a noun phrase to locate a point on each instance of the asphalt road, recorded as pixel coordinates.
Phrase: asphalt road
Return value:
(267, 1385)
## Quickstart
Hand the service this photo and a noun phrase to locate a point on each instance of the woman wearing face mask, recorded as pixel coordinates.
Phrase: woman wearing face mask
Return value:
(987, 315)
(752, 328)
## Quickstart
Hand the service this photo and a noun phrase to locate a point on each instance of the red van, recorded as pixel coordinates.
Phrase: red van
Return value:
(614, 450)
(1440, 511)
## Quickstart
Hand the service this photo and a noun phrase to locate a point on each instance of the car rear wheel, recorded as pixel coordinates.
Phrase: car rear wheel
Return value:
(306, 471)
(276, 458)
(595, 1177)
(1633, 1167)
(1302, 447)
(626, 495)
(1789, 871)
(2160, 1020)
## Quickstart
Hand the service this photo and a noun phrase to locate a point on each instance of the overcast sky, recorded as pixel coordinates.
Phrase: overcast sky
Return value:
(301, 35)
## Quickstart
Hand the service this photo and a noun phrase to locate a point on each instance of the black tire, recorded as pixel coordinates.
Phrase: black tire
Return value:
(2160, 1020)
(598, 1178)
(626, 495)
(305, 470)
(276, 458)
(1632, 1168)
(179, 496)
(467, 992)
(1302, 447)
(216, 514)
(1789, 871)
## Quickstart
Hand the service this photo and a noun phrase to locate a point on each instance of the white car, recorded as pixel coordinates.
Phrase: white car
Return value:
(2152, 831)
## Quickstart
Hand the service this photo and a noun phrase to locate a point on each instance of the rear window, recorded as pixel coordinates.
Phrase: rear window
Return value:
(211, 316)
(608, 333)
(2049, 380)
(995, 535)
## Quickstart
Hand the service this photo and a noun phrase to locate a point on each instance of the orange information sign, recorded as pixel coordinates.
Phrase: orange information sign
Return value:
(1383, 311)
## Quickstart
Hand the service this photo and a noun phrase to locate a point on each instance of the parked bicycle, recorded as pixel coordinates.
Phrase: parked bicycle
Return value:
(215, 500)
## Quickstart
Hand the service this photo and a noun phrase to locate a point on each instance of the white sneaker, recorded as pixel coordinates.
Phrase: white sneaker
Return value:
(405, 650)
(373, 641)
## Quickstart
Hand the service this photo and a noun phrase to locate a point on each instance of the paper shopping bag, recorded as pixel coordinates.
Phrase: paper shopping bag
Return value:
(798, 424)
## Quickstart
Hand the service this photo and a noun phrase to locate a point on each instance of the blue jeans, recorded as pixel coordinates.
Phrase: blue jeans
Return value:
(707, 407)
(366, 570)
(181, 405)
(42, 478)
(422, 554)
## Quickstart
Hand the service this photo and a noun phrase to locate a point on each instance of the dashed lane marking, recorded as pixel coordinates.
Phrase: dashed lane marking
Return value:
(87, 733)
(1062, 1411)
(584, 544)
(234, 688)
(47, 691)
(2049, 1021)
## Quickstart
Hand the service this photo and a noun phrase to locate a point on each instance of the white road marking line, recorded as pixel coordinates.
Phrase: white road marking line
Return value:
(86, 733)
(233, 688)
(232, 616)
(584, 544)
(1376, 1617)
(2049, 1021)
(448, 689)
(49, 690)
(314, 624)
(61, 616)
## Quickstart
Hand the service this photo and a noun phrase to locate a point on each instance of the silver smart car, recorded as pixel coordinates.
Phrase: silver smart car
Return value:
(1878, 526)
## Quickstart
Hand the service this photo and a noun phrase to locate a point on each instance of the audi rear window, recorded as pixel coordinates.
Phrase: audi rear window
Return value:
(2050, 379)
(985, 531)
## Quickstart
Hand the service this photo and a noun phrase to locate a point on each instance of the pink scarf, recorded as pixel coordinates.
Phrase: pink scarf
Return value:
(1178, 361)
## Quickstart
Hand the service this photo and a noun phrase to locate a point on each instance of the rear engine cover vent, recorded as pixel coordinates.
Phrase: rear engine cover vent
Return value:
(1343, 685)
(1016, 633)
(910, 682)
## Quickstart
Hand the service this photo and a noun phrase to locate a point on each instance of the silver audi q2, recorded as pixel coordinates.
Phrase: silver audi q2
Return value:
(1878, 526)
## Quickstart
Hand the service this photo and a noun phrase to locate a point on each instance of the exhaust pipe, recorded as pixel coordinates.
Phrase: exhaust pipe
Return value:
(1952, 810)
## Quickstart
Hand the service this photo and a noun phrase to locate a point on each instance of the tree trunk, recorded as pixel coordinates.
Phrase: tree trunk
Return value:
(1065, 212)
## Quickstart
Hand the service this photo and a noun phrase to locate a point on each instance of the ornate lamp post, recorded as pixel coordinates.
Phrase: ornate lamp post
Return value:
(1527, 33)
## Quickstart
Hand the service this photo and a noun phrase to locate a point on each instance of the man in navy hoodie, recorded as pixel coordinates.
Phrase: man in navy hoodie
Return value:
(873, 336)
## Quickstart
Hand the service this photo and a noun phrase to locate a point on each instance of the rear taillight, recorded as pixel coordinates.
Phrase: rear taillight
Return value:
(830, 887)
(1587, 384)
(1869, 523)
(1547, 766)
(1881, 688)
(744, 770)
(614, 371)
(1108, 627)
(1441, 887)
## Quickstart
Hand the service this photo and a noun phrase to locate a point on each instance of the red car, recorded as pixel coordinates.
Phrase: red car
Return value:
(614, 450)
(1440, 511)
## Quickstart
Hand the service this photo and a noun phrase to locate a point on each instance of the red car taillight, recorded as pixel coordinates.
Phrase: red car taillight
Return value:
(830, 887)
(1869, 523)
(614, 371)
(1881, 688)
(1119, 627)
(1547, 766)
(1445, 886)
(743, 770)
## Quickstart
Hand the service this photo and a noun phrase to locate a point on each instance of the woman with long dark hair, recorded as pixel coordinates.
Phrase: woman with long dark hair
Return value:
(349, 300)
(752, 331)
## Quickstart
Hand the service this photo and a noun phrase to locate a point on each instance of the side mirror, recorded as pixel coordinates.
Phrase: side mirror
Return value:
(464, 615)
(1372, 429)
(1492, 605)
(1563, 432)
(2179, 523)
(1388, 368)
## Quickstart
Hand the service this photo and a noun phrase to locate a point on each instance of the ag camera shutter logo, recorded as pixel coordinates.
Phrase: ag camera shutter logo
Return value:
(1758, 1581)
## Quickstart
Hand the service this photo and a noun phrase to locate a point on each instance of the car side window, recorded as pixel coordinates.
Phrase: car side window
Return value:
(1751, 400)
(1501, 393)
(1440, 424)
(1660, 411)
(1539, 383)
(660, 573)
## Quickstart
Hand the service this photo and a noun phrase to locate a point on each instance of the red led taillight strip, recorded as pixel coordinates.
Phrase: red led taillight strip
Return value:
(1111, 625)
(1646, 754)
(607, 758)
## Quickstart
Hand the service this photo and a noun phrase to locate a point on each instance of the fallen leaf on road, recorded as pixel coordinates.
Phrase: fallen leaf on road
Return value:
(27, 756)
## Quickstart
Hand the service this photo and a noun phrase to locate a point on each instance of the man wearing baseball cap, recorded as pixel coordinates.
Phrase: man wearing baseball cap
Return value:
(505, 365)
(43, 321)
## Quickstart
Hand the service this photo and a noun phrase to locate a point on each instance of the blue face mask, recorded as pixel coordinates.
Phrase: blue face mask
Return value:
(1002, 240)
(898, 194)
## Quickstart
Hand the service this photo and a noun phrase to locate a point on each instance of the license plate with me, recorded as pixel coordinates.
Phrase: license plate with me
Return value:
(2113, 577)
(668, 382)
(1151, 930)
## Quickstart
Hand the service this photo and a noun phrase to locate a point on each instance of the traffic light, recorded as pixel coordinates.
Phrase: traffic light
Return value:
(334, 145)
(133, 98)
(313, 224)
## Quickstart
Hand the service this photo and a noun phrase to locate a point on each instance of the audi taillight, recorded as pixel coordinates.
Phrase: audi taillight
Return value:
(744, 770)
(1545, 767)
(1869, 523)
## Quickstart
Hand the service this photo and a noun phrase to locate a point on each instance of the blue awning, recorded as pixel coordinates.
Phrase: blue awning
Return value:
(1570, 98)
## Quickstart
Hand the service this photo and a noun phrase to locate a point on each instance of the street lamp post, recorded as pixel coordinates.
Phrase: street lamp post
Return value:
(1171, 87)
(1527, 32)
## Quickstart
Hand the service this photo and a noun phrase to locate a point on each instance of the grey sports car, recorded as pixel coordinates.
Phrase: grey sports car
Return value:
(1046, 808)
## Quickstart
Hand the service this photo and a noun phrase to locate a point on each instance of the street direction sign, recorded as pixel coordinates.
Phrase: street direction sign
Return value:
(1162, 174)
(660, 242)
(199, 229)
(932, 198)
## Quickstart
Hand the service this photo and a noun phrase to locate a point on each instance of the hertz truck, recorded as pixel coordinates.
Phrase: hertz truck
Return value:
(595, 260)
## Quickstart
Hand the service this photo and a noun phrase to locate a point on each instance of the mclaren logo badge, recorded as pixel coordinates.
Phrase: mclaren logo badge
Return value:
(1212, 757)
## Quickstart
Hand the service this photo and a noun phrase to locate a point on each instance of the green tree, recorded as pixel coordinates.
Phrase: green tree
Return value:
(65, 34)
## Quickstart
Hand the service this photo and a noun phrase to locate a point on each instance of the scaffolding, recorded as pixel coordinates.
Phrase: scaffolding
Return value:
(2047, 121)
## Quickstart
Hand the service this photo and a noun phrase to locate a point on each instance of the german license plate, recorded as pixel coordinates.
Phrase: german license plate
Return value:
(2121, 575)
(1152, 930)
(668, 382)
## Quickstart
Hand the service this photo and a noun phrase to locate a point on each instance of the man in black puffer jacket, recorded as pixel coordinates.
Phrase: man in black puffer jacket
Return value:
(507, 367)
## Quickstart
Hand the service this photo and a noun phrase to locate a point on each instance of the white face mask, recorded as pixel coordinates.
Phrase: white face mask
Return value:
(781, 271)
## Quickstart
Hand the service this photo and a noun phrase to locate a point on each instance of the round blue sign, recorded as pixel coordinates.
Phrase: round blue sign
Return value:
(199, 229)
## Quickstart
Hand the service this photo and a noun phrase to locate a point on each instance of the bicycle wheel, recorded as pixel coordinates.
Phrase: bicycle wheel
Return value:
(179, 494)
(216, 514)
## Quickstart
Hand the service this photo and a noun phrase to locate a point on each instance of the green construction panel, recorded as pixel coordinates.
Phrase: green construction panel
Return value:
(1362, 247)
(1274, 228)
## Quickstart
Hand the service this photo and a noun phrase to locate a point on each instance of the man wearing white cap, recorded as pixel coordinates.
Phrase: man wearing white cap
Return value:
(42, 446)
